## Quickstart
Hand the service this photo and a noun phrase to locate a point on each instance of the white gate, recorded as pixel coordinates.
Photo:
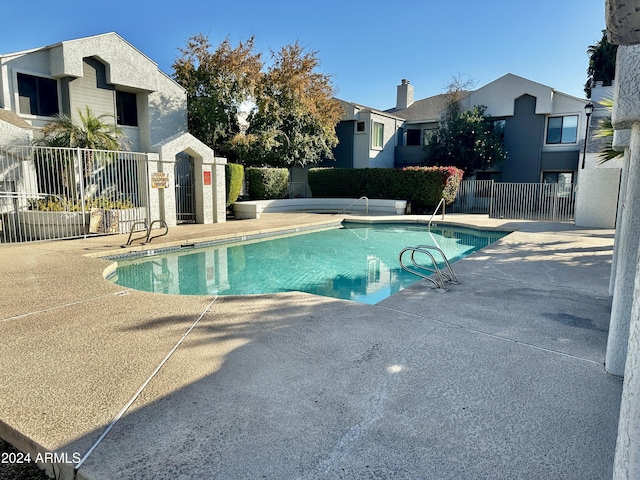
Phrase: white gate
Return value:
(185, 189)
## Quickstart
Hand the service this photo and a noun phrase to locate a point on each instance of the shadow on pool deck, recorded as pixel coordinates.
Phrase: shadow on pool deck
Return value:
(500, 377)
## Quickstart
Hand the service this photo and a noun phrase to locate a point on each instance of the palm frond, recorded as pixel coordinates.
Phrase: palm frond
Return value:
(605, 130)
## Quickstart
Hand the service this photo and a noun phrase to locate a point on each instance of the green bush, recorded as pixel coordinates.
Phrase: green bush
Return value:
(62, 204)
(422, 186)
(234, 176)
(267, 183)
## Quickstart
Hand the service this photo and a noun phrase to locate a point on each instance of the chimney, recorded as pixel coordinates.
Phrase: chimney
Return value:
(405, 95)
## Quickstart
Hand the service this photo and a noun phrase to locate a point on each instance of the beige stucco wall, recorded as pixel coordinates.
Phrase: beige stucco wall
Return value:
(12, 135)
(498, 96)
(596, 196)
(367, 156)
(127, 65)
(167, 110)
(161, 101)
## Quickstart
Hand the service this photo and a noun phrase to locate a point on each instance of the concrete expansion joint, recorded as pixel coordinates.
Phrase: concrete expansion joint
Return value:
(497, 337)
(141, 389)
(65, 305)
(372, 415)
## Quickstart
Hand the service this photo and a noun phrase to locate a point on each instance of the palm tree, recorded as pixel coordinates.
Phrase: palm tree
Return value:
(92, 132)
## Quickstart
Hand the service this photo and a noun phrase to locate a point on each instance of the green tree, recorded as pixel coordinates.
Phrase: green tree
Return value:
(217, 83)
(295, 117)
(602, 63)
(470, 141)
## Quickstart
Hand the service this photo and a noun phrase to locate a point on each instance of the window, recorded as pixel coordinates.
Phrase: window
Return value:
(378, 135)
(360, 127)
(427, 133)
(483, 189)
(558, 184)
(126, 108)
(413, 137)
(562, 129)
(498, 127)
(557, 177)
(38, 95)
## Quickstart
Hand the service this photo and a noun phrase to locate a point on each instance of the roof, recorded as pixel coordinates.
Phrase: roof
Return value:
(426, 109)
(13, 118)
(351, 108)
(128, 66)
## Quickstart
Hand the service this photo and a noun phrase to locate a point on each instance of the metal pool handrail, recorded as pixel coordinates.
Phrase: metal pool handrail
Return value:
(442, 277)
(366, 208)
(436, 211)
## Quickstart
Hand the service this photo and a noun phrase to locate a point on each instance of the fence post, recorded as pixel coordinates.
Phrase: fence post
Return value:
(82, 201)
(491, 197)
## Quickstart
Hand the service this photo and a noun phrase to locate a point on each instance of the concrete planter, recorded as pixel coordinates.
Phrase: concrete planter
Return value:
(35, 225)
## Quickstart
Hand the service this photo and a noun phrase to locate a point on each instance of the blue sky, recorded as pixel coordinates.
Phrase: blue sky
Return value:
(367, 46)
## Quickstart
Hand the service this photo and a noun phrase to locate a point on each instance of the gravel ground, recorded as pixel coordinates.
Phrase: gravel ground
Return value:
(17, 471)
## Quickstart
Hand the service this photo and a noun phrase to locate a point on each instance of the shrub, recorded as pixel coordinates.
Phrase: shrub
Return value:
(234, 176)
(267, 183)
(60, 204)
(422, 186)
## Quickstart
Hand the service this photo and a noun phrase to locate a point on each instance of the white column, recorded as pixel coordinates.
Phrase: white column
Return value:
(626, 265)
(625, 315)
(155, 201)
(622, 193)
(627, 458)
(626, 115)
(219, 190)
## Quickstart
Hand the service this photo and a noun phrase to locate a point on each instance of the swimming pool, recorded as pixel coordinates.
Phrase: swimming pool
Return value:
(356, 262)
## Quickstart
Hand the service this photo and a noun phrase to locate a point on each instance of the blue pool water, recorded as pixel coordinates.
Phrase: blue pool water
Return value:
(355, 262)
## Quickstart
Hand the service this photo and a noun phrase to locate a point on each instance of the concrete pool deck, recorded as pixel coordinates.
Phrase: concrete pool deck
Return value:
(500, 377)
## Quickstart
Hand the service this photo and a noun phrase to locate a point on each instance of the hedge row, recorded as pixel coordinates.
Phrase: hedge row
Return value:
(422, 186)
(267, 183)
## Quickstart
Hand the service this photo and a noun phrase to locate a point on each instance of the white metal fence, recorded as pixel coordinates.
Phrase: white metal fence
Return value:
(48, 193)
(474, 196)
(551, 202)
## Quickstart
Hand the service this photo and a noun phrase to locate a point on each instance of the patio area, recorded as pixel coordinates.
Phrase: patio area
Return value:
(501, 377)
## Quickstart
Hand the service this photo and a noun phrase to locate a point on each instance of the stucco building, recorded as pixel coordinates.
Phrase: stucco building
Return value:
(543, 130)
(111, 77)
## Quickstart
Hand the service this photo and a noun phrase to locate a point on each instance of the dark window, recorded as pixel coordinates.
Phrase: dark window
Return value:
(495, 176)
(498, 127)
(557, 177)
(38, 95)
(413, 137)
(558, 184)
(360, 127)
(562, 129)
(127, 108)
(427, 133)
